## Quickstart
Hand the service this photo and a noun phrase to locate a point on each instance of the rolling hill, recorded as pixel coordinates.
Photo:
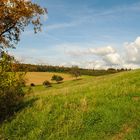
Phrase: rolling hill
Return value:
(91, 108)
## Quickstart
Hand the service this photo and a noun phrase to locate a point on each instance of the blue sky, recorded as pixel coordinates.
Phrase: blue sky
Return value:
(79, 32)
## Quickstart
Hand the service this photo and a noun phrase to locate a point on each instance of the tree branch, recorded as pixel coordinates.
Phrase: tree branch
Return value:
(8, 29)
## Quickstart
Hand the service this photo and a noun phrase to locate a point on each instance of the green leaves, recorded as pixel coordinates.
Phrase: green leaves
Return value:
(57, 78)
(11, 86)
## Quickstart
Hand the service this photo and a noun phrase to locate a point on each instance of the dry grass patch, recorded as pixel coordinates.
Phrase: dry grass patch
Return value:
(39, 77)
(136, 98)
(126, 129)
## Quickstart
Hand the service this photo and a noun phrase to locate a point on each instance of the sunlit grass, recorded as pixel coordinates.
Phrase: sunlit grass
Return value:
(92, 108)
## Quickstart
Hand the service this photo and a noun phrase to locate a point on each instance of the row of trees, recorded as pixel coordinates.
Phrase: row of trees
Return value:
(61, 69)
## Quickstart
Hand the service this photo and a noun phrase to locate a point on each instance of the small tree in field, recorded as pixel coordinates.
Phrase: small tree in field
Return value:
(57, 78)
(75, 72)
(46, 83)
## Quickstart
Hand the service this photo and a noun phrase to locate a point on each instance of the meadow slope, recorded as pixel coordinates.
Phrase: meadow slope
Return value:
(92, 108)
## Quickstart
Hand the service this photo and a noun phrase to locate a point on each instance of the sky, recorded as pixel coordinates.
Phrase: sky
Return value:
(95, 34)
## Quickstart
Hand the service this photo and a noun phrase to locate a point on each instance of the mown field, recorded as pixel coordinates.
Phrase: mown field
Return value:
(91, 108)
(39, 77)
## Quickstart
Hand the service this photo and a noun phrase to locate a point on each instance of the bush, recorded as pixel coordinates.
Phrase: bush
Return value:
(11, 87)
(57, 78)
(47, 83)
(32, 84)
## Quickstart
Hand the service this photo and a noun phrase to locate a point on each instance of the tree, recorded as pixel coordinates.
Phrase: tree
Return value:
(11, 86)
(75, 72)
(57, 78)
(15, 15)
(46, 83)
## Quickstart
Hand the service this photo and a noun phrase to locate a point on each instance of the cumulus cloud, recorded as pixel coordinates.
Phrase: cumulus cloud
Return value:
(103, 50)
(113, 58)
(133, 51)
(108, 56)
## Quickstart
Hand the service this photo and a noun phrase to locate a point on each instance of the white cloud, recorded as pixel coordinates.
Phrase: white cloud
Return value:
(109, 57)
(103, 50)
(108, 54)
(60, 25)
(113, 58)
(133, 51)
(130, 66)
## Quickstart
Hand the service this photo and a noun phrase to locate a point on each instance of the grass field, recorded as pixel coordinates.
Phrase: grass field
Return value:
(39, 77)
(92, 108)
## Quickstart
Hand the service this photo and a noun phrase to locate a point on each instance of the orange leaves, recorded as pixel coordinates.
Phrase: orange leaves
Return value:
(15, 15)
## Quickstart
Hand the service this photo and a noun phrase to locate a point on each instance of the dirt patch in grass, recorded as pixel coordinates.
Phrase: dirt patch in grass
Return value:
(126, 129)
(136, 98)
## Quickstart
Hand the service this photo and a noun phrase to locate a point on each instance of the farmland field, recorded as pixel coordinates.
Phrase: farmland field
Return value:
(39, 77)
(91, 108)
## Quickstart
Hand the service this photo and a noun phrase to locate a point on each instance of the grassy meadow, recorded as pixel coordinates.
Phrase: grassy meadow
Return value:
(91, 108)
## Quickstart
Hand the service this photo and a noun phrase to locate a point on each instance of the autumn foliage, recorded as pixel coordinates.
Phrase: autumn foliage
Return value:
(15, 15)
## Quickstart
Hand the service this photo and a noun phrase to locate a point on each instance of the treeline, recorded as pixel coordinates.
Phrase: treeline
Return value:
(62, 69)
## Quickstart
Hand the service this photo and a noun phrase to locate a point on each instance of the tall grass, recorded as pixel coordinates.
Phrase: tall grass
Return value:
(93, 108)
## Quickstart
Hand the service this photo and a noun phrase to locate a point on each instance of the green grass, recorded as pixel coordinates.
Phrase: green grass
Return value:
(93, 108)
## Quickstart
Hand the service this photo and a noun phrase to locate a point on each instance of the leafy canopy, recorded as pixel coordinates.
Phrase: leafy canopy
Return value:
(57, 78)
(11, 86)
(15, 15)
(46, 83)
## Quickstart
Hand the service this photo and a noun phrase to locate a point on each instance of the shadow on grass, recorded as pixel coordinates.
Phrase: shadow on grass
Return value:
(25, 104)
(57, 83)
(60, 82)
(18, 108)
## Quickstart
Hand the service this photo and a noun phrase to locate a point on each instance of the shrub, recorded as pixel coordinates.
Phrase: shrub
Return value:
(57, 78)
(47, 83)
(11, 87)
(32, 84)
